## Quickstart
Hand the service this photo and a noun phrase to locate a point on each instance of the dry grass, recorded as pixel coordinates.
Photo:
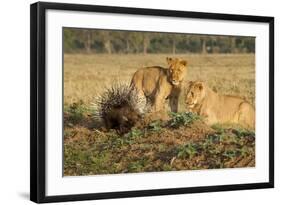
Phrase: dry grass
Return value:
(86, 75)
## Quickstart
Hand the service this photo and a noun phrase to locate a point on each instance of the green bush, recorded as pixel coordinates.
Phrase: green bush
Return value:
(75, 111)
(155, 126)
(182, 119)
(187, 151)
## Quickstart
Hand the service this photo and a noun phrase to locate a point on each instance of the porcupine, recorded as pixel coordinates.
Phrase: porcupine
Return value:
(120, 107)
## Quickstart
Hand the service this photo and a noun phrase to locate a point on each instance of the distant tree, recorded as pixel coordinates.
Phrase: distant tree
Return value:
(106, 38)
(173, 41)
(146, 42)
(105, 41)
(136, 41)
(127, 36)
(249, 44)
(207, 43)
(203, 44)
(183, 43)
(87, 35)
(195, 44)
(224, 44)
(233, 44)
(69, 38)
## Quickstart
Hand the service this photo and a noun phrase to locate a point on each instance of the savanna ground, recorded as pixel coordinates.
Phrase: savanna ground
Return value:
(182, 143)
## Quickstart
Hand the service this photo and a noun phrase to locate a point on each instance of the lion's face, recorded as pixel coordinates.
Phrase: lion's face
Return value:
(195, 94)
(176, 70)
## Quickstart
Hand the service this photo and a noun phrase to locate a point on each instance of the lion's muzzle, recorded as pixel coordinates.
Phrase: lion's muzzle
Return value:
(175, 82)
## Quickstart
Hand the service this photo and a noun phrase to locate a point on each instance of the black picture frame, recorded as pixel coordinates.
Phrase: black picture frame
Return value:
(38, 101)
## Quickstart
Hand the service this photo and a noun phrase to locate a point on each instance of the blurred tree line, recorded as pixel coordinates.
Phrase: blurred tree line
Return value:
(108, 41)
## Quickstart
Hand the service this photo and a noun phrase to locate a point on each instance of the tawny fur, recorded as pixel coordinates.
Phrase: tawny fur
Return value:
(216, 108)
(157, 84)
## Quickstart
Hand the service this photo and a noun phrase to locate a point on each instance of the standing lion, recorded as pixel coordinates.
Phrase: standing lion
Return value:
(157, 84)
(217, 108)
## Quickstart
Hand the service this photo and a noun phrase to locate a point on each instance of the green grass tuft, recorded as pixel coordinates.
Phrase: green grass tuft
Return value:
(182, 119)
(187, 151)
(155, 126)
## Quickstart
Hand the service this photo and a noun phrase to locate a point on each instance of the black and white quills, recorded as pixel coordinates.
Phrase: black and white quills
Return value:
(120, 107)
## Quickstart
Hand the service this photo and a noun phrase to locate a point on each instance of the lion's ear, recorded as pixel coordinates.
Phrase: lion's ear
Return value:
(169, 60)
(183, 62)
(200, 86)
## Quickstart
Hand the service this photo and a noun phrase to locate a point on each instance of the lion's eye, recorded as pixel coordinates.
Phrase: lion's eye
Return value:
(192, 94)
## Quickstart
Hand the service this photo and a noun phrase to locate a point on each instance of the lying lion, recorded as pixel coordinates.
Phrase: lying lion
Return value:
(156, 84)
(217, 108)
